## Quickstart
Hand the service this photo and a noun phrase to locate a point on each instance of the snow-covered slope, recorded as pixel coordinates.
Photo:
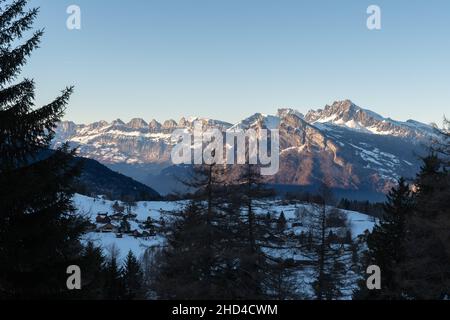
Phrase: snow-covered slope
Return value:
(349, 115)
(160, 210)
(92, 207)
(258, 119)
(141, 237)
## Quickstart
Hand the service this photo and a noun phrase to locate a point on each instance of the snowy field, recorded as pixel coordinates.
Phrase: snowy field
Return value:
(157, 210)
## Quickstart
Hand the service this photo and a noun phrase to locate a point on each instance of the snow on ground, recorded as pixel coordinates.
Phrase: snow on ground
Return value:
(154, 209)
(359, 222)
(128, 243)
(91, 207)
(157, 210)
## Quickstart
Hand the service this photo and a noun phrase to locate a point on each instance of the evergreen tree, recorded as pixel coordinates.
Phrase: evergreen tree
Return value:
(92, 273)
(214, 247)
(427, 249)
(113, 282)
(281, 223)
(199, 255)
(258, 273)
(386, 244)
(410, 244)
(185, 269)
(125, 226)
(284, 282)
(325, 248)
(39, 232)
(149, 265)
(117, 208)
(149, 226)
(132, 278)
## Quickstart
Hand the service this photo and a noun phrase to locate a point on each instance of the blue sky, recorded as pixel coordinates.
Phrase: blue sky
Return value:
(228, 59)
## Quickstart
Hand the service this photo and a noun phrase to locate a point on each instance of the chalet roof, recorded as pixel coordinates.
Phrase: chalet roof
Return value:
(108, 225)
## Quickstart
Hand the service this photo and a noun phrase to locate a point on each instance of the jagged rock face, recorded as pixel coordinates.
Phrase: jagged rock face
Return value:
(308, 156)
(339, 110)
(66, 130)
(183, 122)
(117, 122)
(154, 126)
(137, 123)
(135, 142)
(347, 114)
(117, 142)
(169, 125)
(206, 123)
(342, 144)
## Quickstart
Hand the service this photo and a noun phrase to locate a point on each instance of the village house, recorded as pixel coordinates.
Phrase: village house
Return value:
(136, 234)
(109, 227)
(130, 216)
(146, 234)
(102, 218)
(117, 216)
(91, 227)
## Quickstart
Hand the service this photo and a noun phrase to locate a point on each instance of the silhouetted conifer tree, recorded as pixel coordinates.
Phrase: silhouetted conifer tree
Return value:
(39, 232)
(133, 278)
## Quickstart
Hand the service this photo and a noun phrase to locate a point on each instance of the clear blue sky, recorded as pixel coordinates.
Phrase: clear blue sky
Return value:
(228, 59)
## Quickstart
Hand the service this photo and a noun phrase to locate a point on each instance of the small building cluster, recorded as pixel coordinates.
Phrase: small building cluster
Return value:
(116, 223)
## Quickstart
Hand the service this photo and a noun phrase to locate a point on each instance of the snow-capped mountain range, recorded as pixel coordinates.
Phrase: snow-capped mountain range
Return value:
(348, 146)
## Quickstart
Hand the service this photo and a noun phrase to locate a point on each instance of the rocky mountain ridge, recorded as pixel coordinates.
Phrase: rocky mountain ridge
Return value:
(343, 144)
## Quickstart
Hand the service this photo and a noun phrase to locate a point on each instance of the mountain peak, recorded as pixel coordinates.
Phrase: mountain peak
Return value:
(137, 123)
(341, 109)
(118, 122)
(341, 112)
(154, 123)
(258, 120)
(169, 124)
(346, 104)
(343, 106)
(98, 124)
(283, 112)
(347, 114)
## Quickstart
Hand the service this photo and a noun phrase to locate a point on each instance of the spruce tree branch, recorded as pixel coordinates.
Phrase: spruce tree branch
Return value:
(11, 11)
(16, 29)
(11, 61)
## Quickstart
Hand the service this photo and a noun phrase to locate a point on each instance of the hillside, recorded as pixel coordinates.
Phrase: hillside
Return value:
(97, 179)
